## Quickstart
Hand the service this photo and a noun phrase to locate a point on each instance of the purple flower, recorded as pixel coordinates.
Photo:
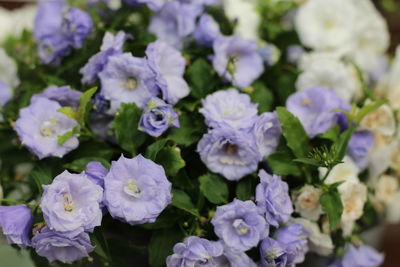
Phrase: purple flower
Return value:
(237, 60)
(157, 117)
(293, 238)
(96, 172)
(273, 254)
(131, 187)
(112, 45)
(359, 145)
(40, 125)
(72, 203)
(195, 251)
(63, 247)
(126, 79)
(314, 108)
(174, 21)
(206, 31)
(239, 225)
(48, 18)
(16, 222)
(52, 48)
(229, 107)
(76, 26)
(5, 93)
(168, 66)
(235, 258)
(230, 153)
(64, 95)
(152, 4)
(267, 131)
(272, 196)
(363, 256)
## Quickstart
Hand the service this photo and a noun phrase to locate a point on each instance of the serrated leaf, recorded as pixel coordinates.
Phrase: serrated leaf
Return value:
(170, 158)
(214, 188)
(332, 206)
(85, 106)
(283, 164)
(153, 149)
(79, 165)
(182, 201)
(332, 134)
(61, 139)
(161, 244)
(100, 244)
(68, 111)
(200, 75)
(342, 142)
(126, 124)
(293, 131)
(308, 161)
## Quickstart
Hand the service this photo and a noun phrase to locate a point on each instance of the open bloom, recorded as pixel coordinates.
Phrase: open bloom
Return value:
(230, 153)
(237, 60)
(16, 222)
(363, 256)
(76, 26)
(267, 131)
(40, 125)
(307, 203)
(207, 30)
(240, 225)
(359, 146)
(72, 203)
(64, 95)
(59, 246)
(273, 253)
(293, 238)
(131, 187)
(229, 107)
(168, 66)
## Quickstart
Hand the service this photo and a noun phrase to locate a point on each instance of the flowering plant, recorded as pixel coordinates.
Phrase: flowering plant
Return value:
(208, 132)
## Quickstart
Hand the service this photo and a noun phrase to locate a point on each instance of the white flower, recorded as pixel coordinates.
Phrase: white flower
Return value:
(380, 121)
(246, 17)
(319, 243)
(326, 24)
(389, 85)
(326, 70)
(15, 21)
(8, 70)
(380, 155)
(346, 171)
(386, 189)
(307, 202)
(393, 210)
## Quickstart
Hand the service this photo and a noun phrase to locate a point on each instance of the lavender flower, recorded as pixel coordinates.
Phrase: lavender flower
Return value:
(112, 45)
(64, 95)
(16, 222)
(235, 258)
(272, 196)
(293, 238)
(76, 26)
(96, 172)
(126, 79)
(72, 203)
(206, 31)
(314, 108)
(195, 251)
(174, 21)
(267, 131)
(152, 4)
(63, 247)
(240, 225)
(168, 66)
(363, 256)
(131, 187)
(39, 126)
(5, 94)
(230, 153)
(273, 254)
(237, 60)
(359, 145)
(52, 48)
(229, 107)
(158, 117)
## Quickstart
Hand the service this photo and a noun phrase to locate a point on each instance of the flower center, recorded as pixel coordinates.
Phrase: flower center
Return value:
(231, 149)
(68, 203)
(240, 226)
(132, 189)
(131, 83)
(306, 102)
(48, 128)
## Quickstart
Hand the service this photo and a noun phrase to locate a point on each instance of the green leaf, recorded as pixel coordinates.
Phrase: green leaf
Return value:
(214, 188)
(332, 134)
(85, 106)
(342, 142)
(182, 201)
(161, 244)
(170, 158)
(68, 111)
(61, 139)
(79, 165)
(41, 176)
(190, 130)
(100, 244)
(263, 96)
(282, 163)
(308, 161)
(245, 189)
(126, 124)
(153, 149)
(293, 131)
(332, 206)
(200, 76)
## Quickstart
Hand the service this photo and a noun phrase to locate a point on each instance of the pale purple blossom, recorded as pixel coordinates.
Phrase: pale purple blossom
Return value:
(96, 172)
(16, 223)
(64, 95)
(272, 196)
(237, 60)
(359, 145)
(5, 93)
(39, 126)
(273, 254)
(72, 203)
(362, 256)
(130, 189)
(239, 225)
(76, 26)
(293, 238)
(206, 31)
(267, 131)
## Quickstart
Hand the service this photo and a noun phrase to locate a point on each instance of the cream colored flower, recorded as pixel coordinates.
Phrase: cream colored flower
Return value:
(380, 121)
(346, 171)
(353, 196)
(386, 189)
(393, 210)
(307, 202)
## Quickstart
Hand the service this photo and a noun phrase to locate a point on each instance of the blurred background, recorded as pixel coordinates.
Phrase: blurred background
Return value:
(16, 15)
